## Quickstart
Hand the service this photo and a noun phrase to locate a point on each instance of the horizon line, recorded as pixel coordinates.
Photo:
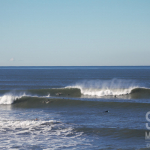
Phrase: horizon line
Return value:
(83, 66)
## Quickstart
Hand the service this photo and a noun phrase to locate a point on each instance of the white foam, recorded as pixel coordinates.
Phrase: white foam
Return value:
(105, 92)
(50, 134)
(113, 87)
(22, 124)
(37, 127)
(47, 95)
(9, 98)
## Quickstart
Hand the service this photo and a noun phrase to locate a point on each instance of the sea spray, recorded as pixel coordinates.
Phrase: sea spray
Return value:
(105, 87)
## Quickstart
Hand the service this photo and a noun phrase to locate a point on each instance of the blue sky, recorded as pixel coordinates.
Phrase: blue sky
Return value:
(74, 33)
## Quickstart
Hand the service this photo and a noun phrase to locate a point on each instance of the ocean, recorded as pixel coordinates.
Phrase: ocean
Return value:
(75, 108)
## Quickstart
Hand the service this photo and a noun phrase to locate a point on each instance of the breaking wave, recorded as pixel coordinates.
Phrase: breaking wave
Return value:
(85, 89)
(115, 87)
(9, 98)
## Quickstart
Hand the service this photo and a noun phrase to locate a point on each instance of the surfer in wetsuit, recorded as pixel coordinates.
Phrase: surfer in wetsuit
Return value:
(107, 111)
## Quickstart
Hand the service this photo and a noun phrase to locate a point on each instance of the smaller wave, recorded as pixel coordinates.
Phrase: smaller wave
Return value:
(9, 98)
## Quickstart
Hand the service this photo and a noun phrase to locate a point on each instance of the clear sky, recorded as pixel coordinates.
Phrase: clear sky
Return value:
(74, 32)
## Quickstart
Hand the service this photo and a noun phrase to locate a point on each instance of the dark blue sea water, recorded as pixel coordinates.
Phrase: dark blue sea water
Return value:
(74, 107)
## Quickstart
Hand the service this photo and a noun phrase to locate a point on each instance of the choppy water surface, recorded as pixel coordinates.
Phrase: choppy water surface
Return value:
(74, 107)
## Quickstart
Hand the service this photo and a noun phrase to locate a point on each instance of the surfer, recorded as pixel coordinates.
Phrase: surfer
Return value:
(107, 111)
(58, 94)
(47, 102)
